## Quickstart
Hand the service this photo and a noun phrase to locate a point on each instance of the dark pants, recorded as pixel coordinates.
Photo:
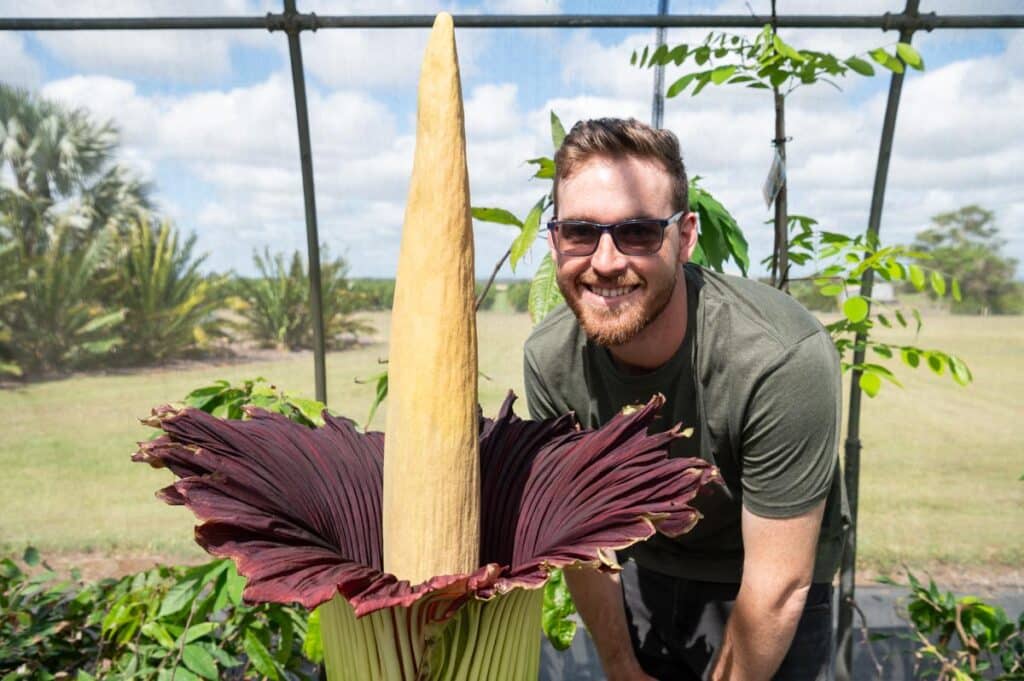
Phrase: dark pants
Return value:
(677, 626)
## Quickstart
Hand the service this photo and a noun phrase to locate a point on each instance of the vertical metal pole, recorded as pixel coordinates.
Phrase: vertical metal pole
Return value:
(658, 104)
(844, 633)
(309, 193)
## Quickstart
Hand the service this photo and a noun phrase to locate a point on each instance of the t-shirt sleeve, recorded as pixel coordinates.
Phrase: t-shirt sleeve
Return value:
(538, 400)
(791, 431)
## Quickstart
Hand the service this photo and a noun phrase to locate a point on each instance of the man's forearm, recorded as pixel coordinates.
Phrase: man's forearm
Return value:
(598, 598)
(759, 632)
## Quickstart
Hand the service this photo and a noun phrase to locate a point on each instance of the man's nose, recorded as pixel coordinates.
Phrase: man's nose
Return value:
(607, 259)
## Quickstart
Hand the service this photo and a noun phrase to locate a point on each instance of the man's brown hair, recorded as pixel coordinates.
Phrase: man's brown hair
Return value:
(617, 138)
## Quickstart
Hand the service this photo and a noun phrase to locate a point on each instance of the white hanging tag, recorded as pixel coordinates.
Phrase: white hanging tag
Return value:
(776, 178)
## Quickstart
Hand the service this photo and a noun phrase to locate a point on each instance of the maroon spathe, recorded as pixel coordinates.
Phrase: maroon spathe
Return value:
(299, 509)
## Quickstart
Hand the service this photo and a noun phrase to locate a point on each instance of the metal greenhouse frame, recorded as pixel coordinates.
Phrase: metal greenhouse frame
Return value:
(292, 23)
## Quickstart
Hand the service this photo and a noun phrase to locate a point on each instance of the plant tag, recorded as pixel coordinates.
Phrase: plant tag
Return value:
(776, 178)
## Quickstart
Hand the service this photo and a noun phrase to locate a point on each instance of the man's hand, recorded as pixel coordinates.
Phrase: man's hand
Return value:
(778, 565)
(598, 598)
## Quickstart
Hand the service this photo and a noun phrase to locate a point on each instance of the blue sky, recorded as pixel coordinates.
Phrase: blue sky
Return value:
(209, 118)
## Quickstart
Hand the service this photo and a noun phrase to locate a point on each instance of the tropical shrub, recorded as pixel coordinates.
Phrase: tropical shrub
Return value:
(373, 294)
(276, 305)
(170, 307)
(59, 323)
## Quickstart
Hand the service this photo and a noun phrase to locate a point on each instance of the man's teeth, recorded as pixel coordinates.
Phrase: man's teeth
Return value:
(612, 292)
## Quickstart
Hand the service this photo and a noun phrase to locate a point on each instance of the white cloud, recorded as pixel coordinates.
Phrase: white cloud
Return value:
(16, 66)
(176, 56)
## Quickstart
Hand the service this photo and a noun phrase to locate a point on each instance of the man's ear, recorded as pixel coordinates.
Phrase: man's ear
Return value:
(687, 237)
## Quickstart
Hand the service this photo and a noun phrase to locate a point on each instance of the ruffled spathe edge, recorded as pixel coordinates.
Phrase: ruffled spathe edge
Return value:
(299, 509)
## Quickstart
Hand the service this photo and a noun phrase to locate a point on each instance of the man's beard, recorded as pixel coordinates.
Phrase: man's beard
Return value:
(611, 328)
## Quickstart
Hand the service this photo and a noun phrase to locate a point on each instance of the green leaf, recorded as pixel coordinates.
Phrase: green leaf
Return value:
(938, 284)
(498, 215)
(102, 322)
(720, 237)
(856, 309)
(911, 357)
(917, 277)
(959, 370)
(556, 611)
(955, 289)
(313, 644)
(31, 556)
(235, 585)
(158, 633)
(860, 66)
(179, 597)
(197, 631)
(870, 383)
(935, 362)
(557, 131)
(311, 409)
(201, 662)
(832, 289)
(379, 397)
(544, 292)
(680, 85)
(909, 55)
(528, 236)
(545, 167)
(722, 74)
(885, 59)
(259, 656)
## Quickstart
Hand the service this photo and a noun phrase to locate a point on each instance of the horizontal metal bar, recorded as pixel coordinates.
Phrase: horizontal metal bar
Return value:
(304, 22)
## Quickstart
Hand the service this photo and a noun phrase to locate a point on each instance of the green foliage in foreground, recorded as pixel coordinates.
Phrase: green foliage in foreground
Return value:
(189, 623)
(962, 639)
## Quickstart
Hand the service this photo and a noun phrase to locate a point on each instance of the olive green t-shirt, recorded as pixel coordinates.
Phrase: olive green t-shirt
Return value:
(757, 378)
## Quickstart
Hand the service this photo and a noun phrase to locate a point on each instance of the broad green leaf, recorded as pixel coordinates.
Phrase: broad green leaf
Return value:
(311, 409)
(910, 357)
(528, 235)
(860, 66)
(955, 290)
(722, 74)
(259, 656)
(197, 631)
(870, 383)
(887, 60)
(935, 362)
(832, 289)
(901, 319)
(557, 131)
(720, 238)
(961, 373)
(556, 612)
(917, 277)
(158, 633)
(201, 662)
(313, 644)
(381, 394)
(855, 309)
(938, 284)
(498, 215)
(235, 585)
(680, 85)
(179, 597)
(544, 293)
(909, 55)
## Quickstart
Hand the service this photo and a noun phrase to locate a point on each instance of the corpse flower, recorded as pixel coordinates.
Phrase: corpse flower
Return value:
(425, 549)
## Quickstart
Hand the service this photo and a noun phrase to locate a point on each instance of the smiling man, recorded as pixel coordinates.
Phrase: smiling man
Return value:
(747, 593)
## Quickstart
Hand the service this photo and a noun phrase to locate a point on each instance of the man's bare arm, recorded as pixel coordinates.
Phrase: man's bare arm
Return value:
(598, 598)
(778, 566)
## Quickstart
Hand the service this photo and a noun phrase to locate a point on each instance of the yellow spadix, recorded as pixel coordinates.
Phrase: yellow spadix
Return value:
(431, 463)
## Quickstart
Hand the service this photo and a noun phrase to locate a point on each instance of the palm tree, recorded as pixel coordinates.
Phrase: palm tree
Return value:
(61, 160)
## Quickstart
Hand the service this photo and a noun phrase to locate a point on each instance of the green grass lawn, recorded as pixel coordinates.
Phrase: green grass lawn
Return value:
(940, 462)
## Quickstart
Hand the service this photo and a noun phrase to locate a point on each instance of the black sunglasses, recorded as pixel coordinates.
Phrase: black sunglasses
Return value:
(641, 236)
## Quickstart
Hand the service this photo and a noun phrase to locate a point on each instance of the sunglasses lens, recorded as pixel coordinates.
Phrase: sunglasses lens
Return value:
(638, 237)
(577, 238)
